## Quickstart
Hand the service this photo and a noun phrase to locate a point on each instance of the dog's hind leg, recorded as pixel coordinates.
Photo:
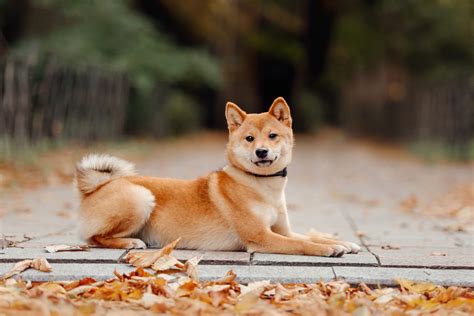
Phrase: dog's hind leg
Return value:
(117, 242)
(116, 213)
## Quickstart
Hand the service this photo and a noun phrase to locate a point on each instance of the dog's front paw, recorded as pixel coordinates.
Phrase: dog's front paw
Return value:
(354, 248)
(350, 247)
(136, 244)
(336, 251)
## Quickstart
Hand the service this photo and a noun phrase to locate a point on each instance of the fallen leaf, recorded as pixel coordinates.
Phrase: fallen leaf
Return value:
(81, 290)
(409, 204)
(226, 279)
(257, 287)
(64, 214)
(58, 248)
(415, 287)
(390, 247)
(145, 259)
(384, 299)
(186, 288)
(41, 264)
(51, 288)
(361, 311)
(246, 302)
(190, 267)
(440, 254)
(18, 268)
(150, 299)
(166, 262)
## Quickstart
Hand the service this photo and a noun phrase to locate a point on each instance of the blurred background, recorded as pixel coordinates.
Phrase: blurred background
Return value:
(97, 70)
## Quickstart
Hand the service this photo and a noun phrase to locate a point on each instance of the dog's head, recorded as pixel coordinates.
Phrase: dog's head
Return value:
(260, 143)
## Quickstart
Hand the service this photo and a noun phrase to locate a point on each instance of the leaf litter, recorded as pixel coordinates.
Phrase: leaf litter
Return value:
(59, 248)
(40, 264)
(162, 284)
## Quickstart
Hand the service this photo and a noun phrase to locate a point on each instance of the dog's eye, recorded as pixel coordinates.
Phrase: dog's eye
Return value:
(272, 136)
(249, 139)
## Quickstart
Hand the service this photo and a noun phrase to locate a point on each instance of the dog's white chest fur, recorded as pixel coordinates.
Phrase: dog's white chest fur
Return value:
(273, 202)
(267, 214)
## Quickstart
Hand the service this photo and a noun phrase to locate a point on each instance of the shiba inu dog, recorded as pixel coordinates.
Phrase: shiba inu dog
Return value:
(241, 207)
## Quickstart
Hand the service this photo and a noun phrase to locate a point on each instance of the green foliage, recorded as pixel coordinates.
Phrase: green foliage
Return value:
(277, 44)
(435, 151)
(432, 39)
(180, 114)
(110, 34)
(308, 113)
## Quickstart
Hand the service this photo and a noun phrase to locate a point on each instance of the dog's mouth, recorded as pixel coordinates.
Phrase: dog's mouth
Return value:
(263, 162)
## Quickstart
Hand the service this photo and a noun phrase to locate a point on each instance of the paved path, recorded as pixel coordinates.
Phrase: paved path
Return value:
(335, 186)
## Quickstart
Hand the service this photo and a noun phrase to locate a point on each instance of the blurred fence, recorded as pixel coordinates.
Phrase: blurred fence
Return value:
(49, 101)
(399, 107)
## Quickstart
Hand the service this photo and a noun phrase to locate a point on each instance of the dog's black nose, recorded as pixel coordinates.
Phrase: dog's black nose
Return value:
(261, 152)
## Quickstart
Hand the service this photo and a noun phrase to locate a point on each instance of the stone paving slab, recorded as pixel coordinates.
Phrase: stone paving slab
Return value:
(214, 257)
(101, 255)
(387, 276)
(67, 236)
(245, 274)
(460, 257)
(71, 271)
(281, 274)
(333, 188)
(414, 239)
(363, 258)
(93, 255)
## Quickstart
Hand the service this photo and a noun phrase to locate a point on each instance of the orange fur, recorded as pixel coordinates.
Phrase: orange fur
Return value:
(231, 209)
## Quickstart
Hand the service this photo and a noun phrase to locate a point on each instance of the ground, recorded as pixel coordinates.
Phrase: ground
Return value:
(378, 196)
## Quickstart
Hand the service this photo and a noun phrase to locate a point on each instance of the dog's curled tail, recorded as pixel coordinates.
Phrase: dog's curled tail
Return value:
(95, 169)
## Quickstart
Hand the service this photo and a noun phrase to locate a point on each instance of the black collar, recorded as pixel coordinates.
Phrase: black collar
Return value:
(282, 173)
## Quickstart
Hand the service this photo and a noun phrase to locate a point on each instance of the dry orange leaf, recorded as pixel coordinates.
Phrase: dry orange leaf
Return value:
(390, 247)
(166, 262)
(145, 259)
(40, 264)
(17, 268)
(190, 267)
(139, 292)
(409, 204)
(415, 287)
(58, 248)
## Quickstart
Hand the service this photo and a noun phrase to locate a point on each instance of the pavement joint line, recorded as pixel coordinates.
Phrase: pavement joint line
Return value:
(270, 263)
(373, 253)
(251, 262)
(315, 264)
(109, 261)
(353, 225)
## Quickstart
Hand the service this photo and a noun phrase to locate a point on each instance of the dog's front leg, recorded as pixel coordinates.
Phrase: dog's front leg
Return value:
(267, 241)
(259, 238)
(282, 227)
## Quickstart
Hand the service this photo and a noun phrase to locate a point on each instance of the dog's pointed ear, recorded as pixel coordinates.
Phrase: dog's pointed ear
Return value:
(235, 116)
(281, 111)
